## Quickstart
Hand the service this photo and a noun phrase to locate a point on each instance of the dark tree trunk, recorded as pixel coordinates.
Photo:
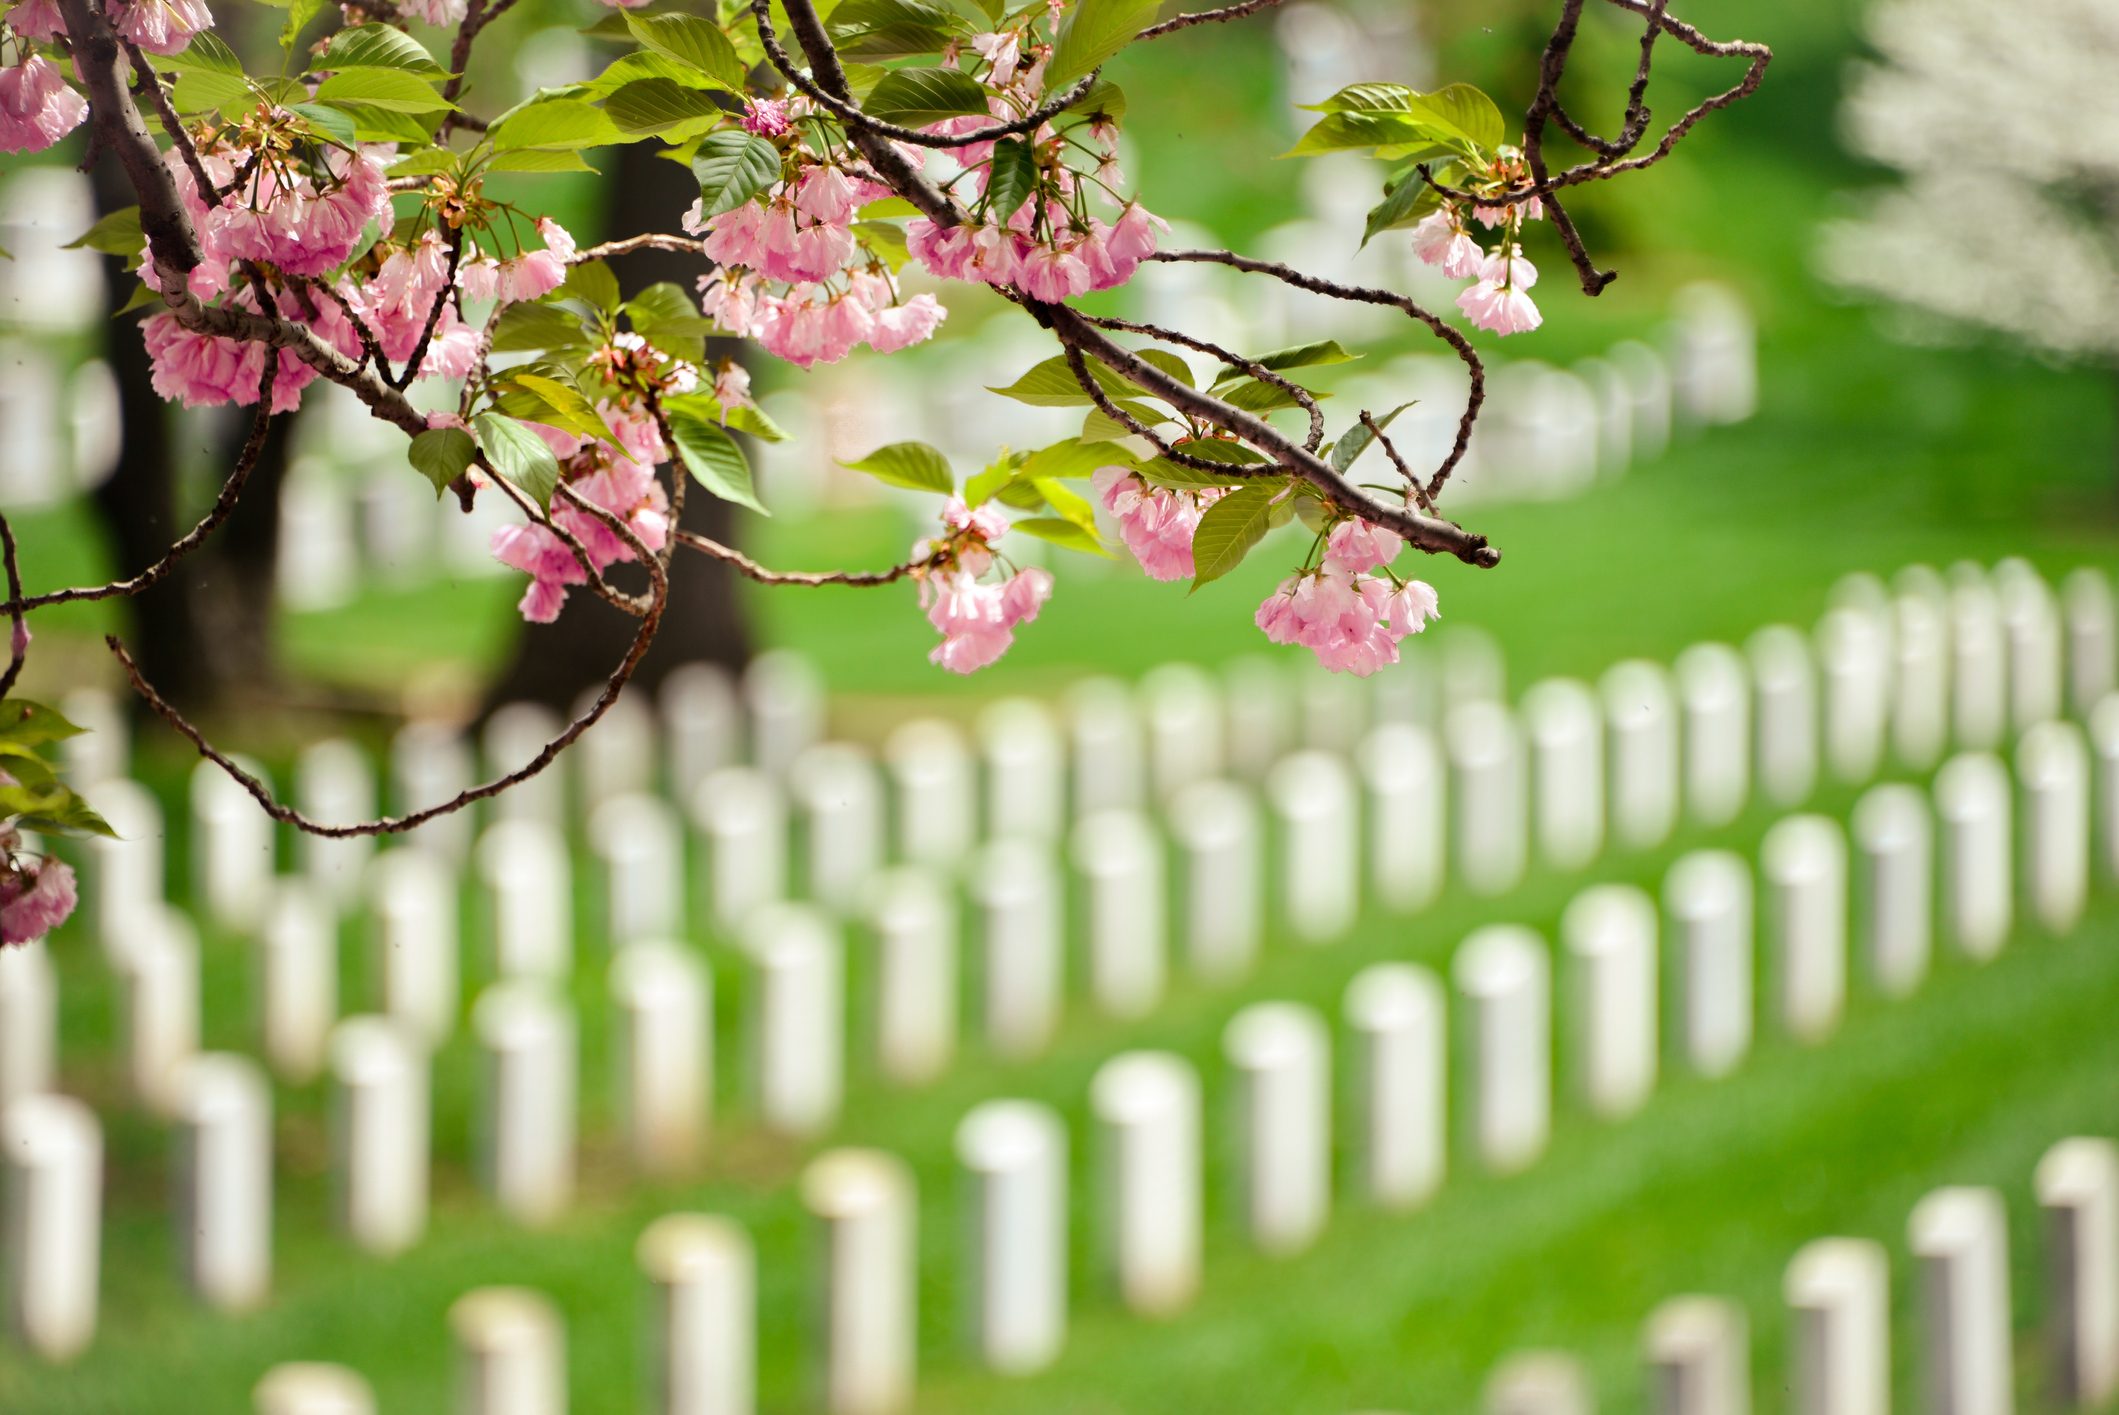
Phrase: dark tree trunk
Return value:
(555, 662)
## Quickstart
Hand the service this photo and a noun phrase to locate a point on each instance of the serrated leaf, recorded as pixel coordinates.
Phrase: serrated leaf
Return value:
(887, 207)
(1357, 131)
(541, 159)
(391, 90)
(1075, 459)
(732, 167)
(592, 283)
(1100, 426)
(568, 407)
(714, 459)
(441, 454)
(1067, 503)
(748, 418)
(1357, 439)
(1104, 100)
(1406, 200)
(908, 464)
(690, 41)
(886, 240)
(207, 52)
(559, 123)
(371, 124)
(986, 485)
(665, 308)
(378, 47)
(1255, 395)
(1010, 179)
(1466, 111)
(1228, 530)
(664, 109)
(520, 455)
(1171, 364)
(426, 162)
(1063, 533)
(530, 327)
(337, 125)
(913, 98)
(1367, 98)
(1161, 471)
(1095, 31)
(1320, 353)
(203, 90)
(1051, 384)
(117, 234)
(25, 723)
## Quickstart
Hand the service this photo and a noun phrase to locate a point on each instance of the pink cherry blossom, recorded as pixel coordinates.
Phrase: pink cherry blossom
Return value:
(1352, 623)
(444, 13)
(36, 896)
(901, 326)
(1439, 240)
(767, 117)
(1410, 608)
(1156, 523)
(1502, 310)
(731, 386)
(984, 521)
(37, 108)
(1133, 234)
(977, 619)
(1505, 265)
(825, 194)
(1530, 209)
(546, 560)
(1357, 545)
(160, 26)
(37, 21)
(1002, 51)
(1052, 273)
(536, 273)
(947, 252)
(200, 370)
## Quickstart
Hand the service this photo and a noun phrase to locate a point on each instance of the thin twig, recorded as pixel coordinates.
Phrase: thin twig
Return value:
(1205, 17)
(752, 570)
(18, 632)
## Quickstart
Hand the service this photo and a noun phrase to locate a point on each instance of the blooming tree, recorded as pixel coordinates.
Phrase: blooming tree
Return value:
(347, 218)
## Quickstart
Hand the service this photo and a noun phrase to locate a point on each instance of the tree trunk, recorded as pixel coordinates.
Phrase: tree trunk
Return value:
(555, 662)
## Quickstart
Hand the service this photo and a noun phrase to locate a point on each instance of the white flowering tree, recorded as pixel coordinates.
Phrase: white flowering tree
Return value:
(344, 213)
(2007, 136)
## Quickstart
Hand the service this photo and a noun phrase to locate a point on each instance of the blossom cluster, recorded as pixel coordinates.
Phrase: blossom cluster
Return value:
(976, 615)
(1156, 523)
(620, 479)
(1499, 299)
(1351, 619)
(36, 893)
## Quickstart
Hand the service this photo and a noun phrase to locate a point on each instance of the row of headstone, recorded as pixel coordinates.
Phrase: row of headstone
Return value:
(1837, 1291)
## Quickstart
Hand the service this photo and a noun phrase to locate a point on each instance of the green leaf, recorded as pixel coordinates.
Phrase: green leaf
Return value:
(742, 418)
(203, 90)
(1357, 440)
(1406, 200)
(1345, 132)
(1106, 101)
(887, 207)
(908, 464)
(732, 167)
(569, 407)
(1074, 459)
(1052, 385)
(54, 809)
(391, 90)
(371, 124)
(339, 126)
(593, 283)
(1095, 31)
(1063, 533)
(441, 454)
(1230, 527)
(640, 64)
(1161, 471)
(690, 41)
(714, 459)
(1467, 112)
(559, 123)
(540, 159)
(1367, 98)
(299, 14)
(894, 29)
(665, 309)
(1171, 364)
(520, 455)
(1070, 504)
(984, 486)
(207, 52)
(664, 109)
(117, 234)
(886, 240)
(378, 47)
(1100, 426)
(31, 724)
(1318, 354)
(1255, 395)
(1011, 178)
(913, 98)
(1458, 115)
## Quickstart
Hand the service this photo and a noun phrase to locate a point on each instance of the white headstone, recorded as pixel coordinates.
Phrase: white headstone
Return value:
(223, 1173)
(429, 765)
(641, 844)
(1317, 818)
(1714, 701)
(1853, 655)
(512, 739)
(1260, 710)
(2031, 627)
(662, 1053)
(1642, 733)
(525, 1123)
(510, 1353)
(2092, 638)
(936, 784)
(1709, 899)
(702, 1316)
(1784, 697)
(917, 970)
(866, 1210)
(1978, 668)
(1714, 356)
(1215, 825)
(702, 727)
(1609, 937)
(616, 757)
(1026, 770)
(1504, 975)
(1110, 759)
(1960, 1243)
(1120, 859)
(1185, 728)
(1838, 1292)
(158, 978)
(2078, 1188)
(1647, 377)
(1539, 1383)
(412, 903)
(231, 849)
(335, 783)
(1920, 680)
(740, 811)
(1014, 1155)
(2104, 746)
(126, 874)
(312, 1388)
(1408, 832)
(840, 796)
(295, 994)
(785, 697)
(1473, 668)
(797, 1018)
(1894, 843)
(1565, 728)
(1972, 802)
(29, 1021)
(1399, 1062)
(1803, 862)
(1147, 1113)
(51, 1201)
(526, 870)
(2053, 764)
(381, 1134)
(1488, 797)
(1333, 708)
(1699, 1358)
(1016, 890)
(104, 748)
(1280, 1056)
